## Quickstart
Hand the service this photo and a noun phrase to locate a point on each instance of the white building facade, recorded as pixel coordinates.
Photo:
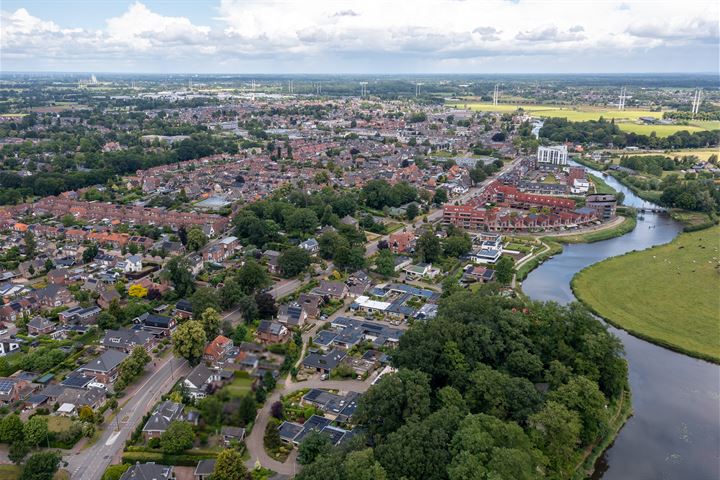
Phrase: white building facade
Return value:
(557, 155)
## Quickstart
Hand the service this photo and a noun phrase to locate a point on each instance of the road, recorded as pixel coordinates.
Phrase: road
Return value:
(254, 441)
(89, 464)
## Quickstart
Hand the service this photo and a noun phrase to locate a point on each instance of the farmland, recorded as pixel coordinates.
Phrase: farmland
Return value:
(667, 294)
(627, 119)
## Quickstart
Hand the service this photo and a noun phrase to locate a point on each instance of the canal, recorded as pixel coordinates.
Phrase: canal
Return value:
(675, 431)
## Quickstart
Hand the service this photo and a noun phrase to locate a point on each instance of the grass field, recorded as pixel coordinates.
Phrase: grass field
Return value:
(667, 294)
(626, 119)
(701, 153)
(238, 387)
(58, 424)
(9, 472)
(600, 185)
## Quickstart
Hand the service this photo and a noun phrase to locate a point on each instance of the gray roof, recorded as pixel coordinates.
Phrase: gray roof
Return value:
(163, 415)
(147, 471)
(105, 362)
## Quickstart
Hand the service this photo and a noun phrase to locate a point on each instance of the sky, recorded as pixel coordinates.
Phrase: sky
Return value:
(369, 36)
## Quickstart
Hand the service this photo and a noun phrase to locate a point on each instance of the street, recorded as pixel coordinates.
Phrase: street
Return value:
(91, 463)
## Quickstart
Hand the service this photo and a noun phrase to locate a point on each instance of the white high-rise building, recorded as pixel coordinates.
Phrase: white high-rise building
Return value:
(557, 155)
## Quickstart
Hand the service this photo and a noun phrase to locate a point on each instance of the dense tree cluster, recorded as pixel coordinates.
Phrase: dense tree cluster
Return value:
(379, 194)
(493, 388)
(602, 132)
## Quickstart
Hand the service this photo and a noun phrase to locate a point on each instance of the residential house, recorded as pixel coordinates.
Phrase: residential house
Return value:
(160, 325)
(53, 296)
(402, 242)
(79, 315)
(40, 326)
(132, 264)
(58, 276)
(165, 413)
(105, 367)
(217, 351)
(310, 304)
(421, 270)
(292, 315)
(183, 309)
(272, 332)
(204, 469)
(107, 296)
(8, 347)
(232, 434)
(310, 245)
(272, 257)
(331, 289)
(202, 381)
(125, 340)
(324, 363)
(10, 390)
(148, 471)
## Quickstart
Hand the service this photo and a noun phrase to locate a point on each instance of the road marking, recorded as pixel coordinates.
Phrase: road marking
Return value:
(112, 439)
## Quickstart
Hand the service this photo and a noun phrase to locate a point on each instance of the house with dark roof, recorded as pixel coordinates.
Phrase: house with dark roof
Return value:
(81, 315)
(202, 380)
(294, 433)
(148, 471)
(160, 325)
(125, 340)
(105, 367)
(324, 363)
(204, 469)
(10, 390)
(335, 290)
(164, 414)
(40, 326)
(183, 308)
(311, 304)
(292, 315)
(232, 434)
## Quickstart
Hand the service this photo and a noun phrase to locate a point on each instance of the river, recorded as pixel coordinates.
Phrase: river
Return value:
(675, 431)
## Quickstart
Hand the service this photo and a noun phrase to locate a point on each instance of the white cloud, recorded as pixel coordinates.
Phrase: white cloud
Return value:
(300, 32)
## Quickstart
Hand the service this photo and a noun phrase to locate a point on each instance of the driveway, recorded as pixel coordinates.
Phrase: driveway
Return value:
(254, 441)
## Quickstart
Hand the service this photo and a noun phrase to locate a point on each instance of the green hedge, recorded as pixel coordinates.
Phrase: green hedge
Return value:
(182, 460)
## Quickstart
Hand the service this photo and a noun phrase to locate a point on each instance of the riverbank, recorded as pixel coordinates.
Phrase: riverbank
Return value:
(618, 229)
(666, 295)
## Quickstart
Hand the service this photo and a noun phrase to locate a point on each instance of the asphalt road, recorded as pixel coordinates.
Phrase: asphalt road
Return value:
(89, 464)
(254, 441)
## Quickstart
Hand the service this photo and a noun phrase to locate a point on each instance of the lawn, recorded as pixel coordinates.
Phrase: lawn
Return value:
(58, 424)
(238, 387)
(660, 130)
(667, 294)
(600, 185)
(701, 153)
(9, 472)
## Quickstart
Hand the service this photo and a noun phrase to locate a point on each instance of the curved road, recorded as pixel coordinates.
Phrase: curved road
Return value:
(254, 441)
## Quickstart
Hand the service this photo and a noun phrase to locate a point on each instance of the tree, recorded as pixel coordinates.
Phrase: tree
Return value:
(428, 248)
(114, 472)
(137, 291)
(412, 211)
(385, 263)
(204, 298)
(252, 277)
(179, 274)
(196, 239)
(361, 465)
(189, 341)
(35, 431)
(457, 245)
(247, 409)
(248, 308)
(555, 430)
(183, 235)
(177, 438)
(40, 466)
(239, 334)
(302, 220)
(229, 465)
(266, 305)
(583, 396)
(272, 435)
(293, 261)
(313, 445)
(17, 451)
(11, 429)
(211, 410)
(350, 259)
(30, 244)
(211, 322)
(440, 196)
(86, 414)
(330, 243)
(90, 253)
(504, 270)
(277, 410)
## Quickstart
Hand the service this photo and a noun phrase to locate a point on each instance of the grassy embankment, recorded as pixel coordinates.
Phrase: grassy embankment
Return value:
(666, 294)
(628, 225)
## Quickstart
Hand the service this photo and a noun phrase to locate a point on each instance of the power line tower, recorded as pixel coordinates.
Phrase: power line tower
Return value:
(697, 100)
(623, 98)
(417, 88)
(363, 89)
(496, 94)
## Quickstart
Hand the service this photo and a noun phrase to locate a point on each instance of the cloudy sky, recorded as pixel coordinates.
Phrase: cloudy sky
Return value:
(368, 36)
